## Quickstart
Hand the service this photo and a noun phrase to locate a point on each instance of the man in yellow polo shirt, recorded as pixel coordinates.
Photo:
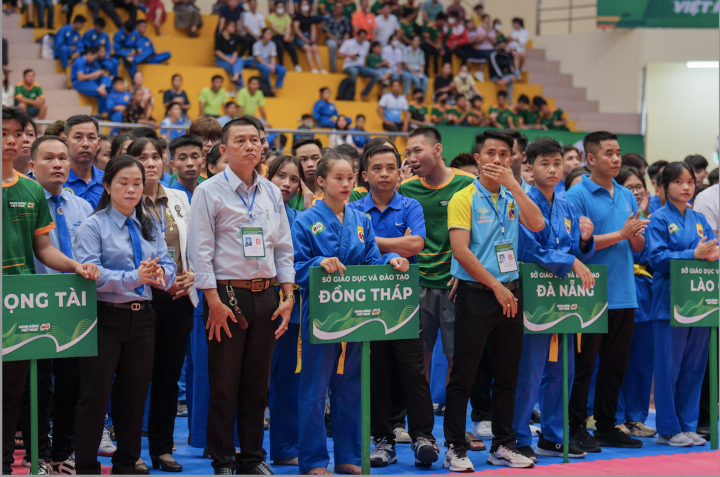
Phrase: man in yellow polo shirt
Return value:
(251, 99)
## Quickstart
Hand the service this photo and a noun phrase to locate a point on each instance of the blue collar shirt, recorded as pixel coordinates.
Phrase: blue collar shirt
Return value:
(178, 186)
(91, 191)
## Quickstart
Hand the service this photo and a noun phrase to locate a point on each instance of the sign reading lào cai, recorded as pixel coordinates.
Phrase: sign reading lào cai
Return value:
(694, 293)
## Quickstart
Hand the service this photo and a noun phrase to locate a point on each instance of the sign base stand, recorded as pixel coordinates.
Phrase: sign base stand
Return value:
(566, 431)
(33, 418)
(713, 388)
(365, 407)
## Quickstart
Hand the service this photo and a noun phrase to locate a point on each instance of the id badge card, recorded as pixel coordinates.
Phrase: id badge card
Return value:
(253, 242)
(505, 253)
(171, 252)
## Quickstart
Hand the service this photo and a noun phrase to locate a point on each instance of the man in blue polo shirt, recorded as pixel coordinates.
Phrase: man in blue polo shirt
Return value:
(399, 226)
(484, 219)
(618, 233)
(83, 140)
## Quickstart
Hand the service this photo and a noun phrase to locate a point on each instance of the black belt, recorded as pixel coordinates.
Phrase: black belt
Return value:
(131, 305)
(510, 286)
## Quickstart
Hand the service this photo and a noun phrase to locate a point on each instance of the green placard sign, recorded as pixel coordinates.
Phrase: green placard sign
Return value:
(48, 316)
(657, 13)
(694, 293)
(561, 305)
(368, 303)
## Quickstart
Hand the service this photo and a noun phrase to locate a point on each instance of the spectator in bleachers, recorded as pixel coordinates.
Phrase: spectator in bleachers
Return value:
(391, 59)
(517, 112)
(359, 140)
(519, 37)
(253, 24)
(117, 100)
(57, 129)
(89, 79)
(354, 51)
(230, 12)
(408, 27)
(173, 117)
(456, 39)
(433, 42)
(266, 60)
(349, 8)
(251, 100)
(108, 62)
(363, 20)
(305, 32)
(103, 155)
(465, 162)
(444, 82)
(337, 30)
(325, 7)
(478, 14)
(227, 56)
(455, 7)
(145, 48)
(148, 99)
(465, 84)
(553, 119)
(29, 96)
(8, 91)
(209, 131)
(324, 112)
(377, 5)
(531, 115)
(230, 109)
(501, 68)
(187, 16)
(412, 6)
(413, 67)
(176, 95)
(95, 6)
(124, 45)
(699, 165)
(478, 117)
(418, 114)
(280, 23)
(96, 36)
(484, 43)
(391, 107)
(131, 6)
(499, 112)
(156, 14)
(68, 43)
(135, 112)
(212, 98)
(497, 26)
(41, 6)
(338, 138)
(430, 10)
(386, 24)
(461, 112)
(306, 122)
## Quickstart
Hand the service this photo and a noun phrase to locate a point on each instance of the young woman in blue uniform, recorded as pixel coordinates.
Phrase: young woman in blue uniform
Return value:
(332, 236)
(129, 250)
(286, 172)
(677, 232)
(634, 401)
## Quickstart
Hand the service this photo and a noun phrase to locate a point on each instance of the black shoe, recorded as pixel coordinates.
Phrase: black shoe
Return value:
(528, 452)
(224, 471)
(582, 440)
(704, 432)
(550, 449)
(260, 469)
(29, 25)
(165, 465)
(535, 417)
(206, 454)
(142, 469)
(616, 438)
(440, 411)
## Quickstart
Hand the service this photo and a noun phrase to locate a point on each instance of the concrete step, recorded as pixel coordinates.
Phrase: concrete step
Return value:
(63, 98)
(577, 105)
(18, 35)
(41, 66)
(535, 54)
(563, 92)
(628, 123)
(542, 66)
(49, 82)
(18, 50)
(56, 112)
(550, 79)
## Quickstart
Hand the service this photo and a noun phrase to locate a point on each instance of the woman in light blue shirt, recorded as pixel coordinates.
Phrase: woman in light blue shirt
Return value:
(129, 250)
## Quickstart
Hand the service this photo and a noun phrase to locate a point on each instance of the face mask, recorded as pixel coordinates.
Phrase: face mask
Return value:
(464, 75)
(308, 124)
(305, 8)
(451, 21)
(501, 50)
(280, 11)
(395, 43)
(498, 27)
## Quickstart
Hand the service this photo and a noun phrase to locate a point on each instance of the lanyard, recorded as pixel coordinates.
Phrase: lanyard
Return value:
(162, 214)
(494, 209)
(252, 203)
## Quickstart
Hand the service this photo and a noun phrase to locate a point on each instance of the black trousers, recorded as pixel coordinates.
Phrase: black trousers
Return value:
(283, 46)
(65, 401)
(96, 5)
(461, 52)
(173, 324)
(398, 408)
(70, 4)
(130, 7)
(614, 350)
(45, 398)
(13, 382)
(431, 58)
(479, 320)
(480, 399)
(407, 356)
(126, 343)
(246, 44)
(239, 374)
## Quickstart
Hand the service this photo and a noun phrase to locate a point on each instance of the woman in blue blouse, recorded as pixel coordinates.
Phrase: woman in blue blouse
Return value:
(677, 232)
(129, 250)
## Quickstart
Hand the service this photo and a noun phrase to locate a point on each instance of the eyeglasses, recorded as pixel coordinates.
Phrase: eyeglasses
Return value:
(635, 189)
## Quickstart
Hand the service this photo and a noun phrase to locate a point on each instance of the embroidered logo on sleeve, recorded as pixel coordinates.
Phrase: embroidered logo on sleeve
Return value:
(317, 227)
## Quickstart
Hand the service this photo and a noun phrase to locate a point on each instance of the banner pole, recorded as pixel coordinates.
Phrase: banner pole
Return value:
(566, 437)
(713, 388)
(33, 418)
(365, 410)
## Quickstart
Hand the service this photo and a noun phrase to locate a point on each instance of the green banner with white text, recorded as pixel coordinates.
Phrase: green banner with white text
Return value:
(48, 316)
(694, 293)
(657, 13)
(367, 303)
(562, 305)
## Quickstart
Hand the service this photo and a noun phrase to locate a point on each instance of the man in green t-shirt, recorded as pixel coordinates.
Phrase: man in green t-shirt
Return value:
(26, 223)
(555, 120)
(251, 99)
(29, 96)
(349, 7)
(433, 185)
(212, 98)
(499, 113)
(432, 44)
(531, 116)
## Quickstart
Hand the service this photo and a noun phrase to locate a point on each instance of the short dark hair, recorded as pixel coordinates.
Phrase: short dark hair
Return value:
(32, 123)
(633, 159)
(79, 119)
(19, 115)
(99, 22)
(441, 16)
(117, 144)
(523, 99)
(379, 150)
(538, 101)
(304, 142)
(654, 169)
(139, 22)
(493, 134)
(216, 77)
(462, 160)
(255, 122)
(519, 138)
(185, 140)
(229, 103)
(672, 171)
(520, 21)
(568, 148)
(129, 25)
(142, 132)
(696, 161)
(574, 174)
(93, 50)
(542, 146)
(162, 142)
(358, 117)
(241, 121)
(323, 89)
(36, 145)
(362, 30)
(626, 172)
(79, 19)
(503, 93)
(29, 70)
(117, 79)
(347, 150)
(431, 134)
(594, 139)
(714, 176)
(55, 128)
(255, 78)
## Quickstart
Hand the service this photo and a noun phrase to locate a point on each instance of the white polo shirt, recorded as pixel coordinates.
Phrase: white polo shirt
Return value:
(352, 47)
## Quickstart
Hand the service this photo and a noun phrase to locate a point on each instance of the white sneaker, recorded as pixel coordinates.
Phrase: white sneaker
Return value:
(678, 440)
(639, 429)
(480, 76)
(383, 454)
(624, 429)
(298, 69)
(510, 457)
(324, 71)
(64, 468)
(696, 439)
(314, 70)
(457, 460)
(483, 429)
(44, 468)
(535, 430)
(401, 436)
(107, 448)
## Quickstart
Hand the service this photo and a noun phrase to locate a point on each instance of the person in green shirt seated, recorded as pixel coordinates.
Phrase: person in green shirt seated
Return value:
(477, 116)
(29, 96)
(516, 120)
(376, 62)
(408, 27)
(439, 114)
(553, 120)
(212, 98)
(377, 6)
(433, 42)
(531, 116)
(418, 112)
(251, 99)
(459, 114)
(499, 112)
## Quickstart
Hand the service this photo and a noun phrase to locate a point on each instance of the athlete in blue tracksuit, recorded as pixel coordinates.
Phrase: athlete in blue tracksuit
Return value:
(108, 62)
(556, 248)
(124, 46)
(88, 64)
(117, 97)
(317, 235)
(145, 48)
(68, 41)
(324, 112)
(680, 352)
(97, 36)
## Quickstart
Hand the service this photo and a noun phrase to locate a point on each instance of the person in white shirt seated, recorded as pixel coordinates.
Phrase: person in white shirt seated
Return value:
(391, 107)
(386, 24)
(355, 51)
(519, 37)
